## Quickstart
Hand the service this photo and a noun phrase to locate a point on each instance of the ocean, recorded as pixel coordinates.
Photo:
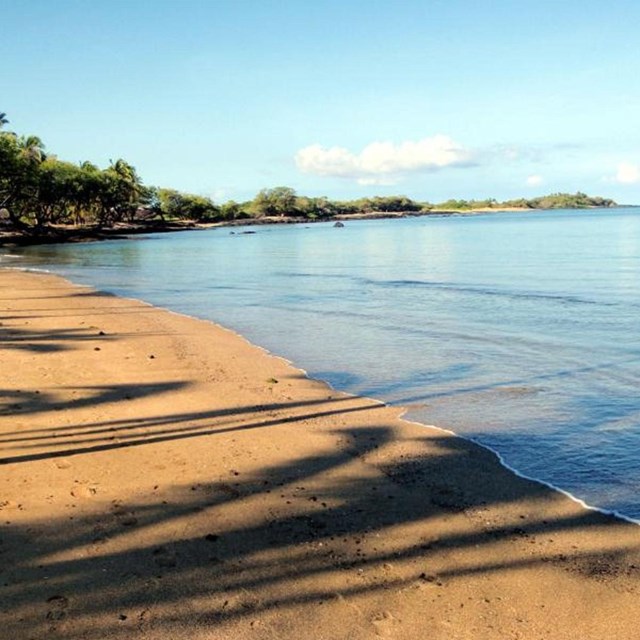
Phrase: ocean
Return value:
(520, 331)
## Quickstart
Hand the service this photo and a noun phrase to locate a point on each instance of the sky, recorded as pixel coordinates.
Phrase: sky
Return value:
(433, 99)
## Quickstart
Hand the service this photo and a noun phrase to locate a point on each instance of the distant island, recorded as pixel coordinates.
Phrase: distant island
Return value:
(45, 199)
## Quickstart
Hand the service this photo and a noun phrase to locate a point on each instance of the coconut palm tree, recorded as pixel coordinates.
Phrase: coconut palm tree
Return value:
(3, 120)
(32, 148)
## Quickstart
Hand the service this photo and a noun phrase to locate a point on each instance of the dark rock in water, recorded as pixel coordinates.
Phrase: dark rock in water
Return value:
(338, 224)
(247, 233)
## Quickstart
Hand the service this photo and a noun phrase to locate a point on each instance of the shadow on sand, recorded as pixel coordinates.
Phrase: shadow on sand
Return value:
(368, 515)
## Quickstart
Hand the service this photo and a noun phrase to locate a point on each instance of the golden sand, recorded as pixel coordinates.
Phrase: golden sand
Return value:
(162, 478)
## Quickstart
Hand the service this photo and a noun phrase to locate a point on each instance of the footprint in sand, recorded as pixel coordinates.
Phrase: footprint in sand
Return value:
(84, 491)
(384, 624)
(124, 517)
(58, 605)
(128, 520)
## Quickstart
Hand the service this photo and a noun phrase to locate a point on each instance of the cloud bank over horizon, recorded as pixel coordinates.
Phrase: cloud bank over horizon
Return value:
(384, 163)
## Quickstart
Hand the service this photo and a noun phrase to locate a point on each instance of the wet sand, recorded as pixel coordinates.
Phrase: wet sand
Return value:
(162, 478)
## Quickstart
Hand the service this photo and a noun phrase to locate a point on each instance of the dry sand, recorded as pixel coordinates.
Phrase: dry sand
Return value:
(163, 478)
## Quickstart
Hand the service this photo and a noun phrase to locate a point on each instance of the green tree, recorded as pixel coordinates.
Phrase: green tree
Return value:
(20, 160)
(232, 210)
(186, 206)
(128, 189)
(315, 207)
(32, 148)
(58, 193)
(279, 201)
(454, 204)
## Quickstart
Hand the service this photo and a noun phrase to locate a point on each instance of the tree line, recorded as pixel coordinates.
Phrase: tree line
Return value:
(38, 191)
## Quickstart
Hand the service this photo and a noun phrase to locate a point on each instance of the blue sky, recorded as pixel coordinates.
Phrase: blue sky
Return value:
(432, 99)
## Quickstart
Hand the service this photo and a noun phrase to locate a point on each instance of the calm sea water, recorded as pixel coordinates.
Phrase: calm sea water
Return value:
(520, 331)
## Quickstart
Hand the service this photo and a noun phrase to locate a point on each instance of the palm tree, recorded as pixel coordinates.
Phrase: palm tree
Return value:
(32, 148)
(124, 188)
(3, 120)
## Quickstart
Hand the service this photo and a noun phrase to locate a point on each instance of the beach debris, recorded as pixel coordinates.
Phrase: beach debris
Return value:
(62, 463)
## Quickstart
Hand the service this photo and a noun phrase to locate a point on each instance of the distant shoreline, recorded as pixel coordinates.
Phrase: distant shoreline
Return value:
(71, 234)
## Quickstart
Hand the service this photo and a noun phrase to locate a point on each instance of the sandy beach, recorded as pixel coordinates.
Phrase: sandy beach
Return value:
(162, 478)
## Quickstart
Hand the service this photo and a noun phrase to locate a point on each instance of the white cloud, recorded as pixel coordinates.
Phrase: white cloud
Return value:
(534, 181)
(383, 162)
(335, 161)
(628, 173)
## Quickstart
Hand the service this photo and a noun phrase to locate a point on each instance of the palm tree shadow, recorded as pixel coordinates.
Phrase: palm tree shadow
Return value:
(52, 341)
(271, 538)
(29, 445)
(21, 404)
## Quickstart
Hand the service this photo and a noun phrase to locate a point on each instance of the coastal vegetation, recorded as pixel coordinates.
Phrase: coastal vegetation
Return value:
(42, 196)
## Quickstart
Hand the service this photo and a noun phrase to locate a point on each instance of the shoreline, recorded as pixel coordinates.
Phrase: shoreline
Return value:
(403, 410)
(122, 231)
(454, 526)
